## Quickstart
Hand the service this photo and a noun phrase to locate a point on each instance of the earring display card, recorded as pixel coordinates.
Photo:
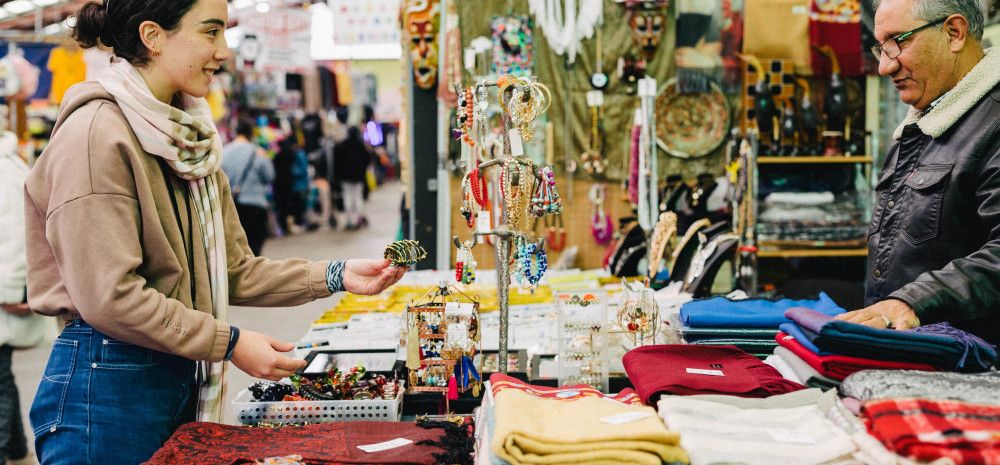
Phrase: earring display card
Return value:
(583, 339)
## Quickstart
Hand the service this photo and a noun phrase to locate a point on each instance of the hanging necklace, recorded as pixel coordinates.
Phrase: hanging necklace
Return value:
(564, 26)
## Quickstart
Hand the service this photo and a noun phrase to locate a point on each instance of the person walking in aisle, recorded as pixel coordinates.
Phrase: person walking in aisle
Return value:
(250, 174)
(18, 326)
(137, 245)
(351, 160)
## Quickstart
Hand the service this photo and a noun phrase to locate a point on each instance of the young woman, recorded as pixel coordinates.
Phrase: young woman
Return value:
(134, 241)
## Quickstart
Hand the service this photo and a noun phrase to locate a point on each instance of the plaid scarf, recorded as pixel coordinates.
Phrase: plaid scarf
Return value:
(927, 430)
(188, 141)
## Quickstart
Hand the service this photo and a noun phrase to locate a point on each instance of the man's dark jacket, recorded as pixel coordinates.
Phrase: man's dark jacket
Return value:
(934, 240)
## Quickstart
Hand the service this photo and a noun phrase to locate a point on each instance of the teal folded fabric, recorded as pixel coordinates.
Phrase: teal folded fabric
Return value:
(699, 334)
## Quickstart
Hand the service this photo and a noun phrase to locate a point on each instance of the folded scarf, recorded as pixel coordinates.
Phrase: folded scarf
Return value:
(756, 347)
(982, 388)
(804, 336)
(324, 443)
(784, 368)
(809, 376)
(838, 367)
(698, 334)
(188, 141)
(927, 430)
(938, 344)
(789, 429)
(749, 313)
(571, 425)
(681, 369)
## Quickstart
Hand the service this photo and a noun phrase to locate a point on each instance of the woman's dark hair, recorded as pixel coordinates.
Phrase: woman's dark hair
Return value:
(117, 26)
(244, 127)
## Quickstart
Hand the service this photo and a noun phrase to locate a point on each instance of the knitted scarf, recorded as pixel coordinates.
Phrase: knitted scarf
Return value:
(188, 141)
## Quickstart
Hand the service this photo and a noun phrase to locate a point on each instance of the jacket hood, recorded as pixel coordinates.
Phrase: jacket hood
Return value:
(77, 97)
(959, 100)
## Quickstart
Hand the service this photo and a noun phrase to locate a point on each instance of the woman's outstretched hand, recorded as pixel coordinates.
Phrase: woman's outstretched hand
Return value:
(370, 277)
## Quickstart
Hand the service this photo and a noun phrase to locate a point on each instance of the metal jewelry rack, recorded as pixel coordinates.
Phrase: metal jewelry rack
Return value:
(504, 234)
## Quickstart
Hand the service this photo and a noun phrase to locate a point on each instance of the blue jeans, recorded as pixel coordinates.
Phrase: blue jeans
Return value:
(105, 401)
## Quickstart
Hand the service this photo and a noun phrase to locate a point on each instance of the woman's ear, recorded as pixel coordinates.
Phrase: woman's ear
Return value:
(152, 36)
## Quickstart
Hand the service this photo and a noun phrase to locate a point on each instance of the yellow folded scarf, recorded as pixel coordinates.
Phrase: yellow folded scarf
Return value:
(535, 430)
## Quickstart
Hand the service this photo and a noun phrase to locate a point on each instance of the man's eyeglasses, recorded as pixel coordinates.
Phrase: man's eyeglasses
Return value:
(891, 45)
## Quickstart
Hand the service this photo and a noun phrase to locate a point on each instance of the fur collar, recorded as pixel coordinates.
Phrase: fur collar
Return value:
(957, 101)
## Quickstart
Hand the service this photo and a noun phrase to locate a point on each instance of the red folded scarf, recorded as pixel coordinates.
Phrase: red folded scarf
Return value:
(926, 430)
(839, 367)
(691, 369)
(324, 443)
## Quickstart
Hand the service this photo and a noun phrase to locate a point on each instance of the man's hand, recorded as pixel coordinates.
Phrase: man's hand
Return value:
(889, 313)
(16, 309)
(370, 277)
(258, 355)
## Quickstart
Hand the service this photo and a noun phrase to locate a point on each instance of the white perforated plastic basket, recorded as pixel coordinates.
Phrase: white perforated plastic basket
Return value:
(319, 411)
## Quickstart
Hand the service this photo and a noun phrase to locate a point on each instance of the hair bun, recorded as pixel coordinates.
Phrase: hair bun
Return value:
(90, 25)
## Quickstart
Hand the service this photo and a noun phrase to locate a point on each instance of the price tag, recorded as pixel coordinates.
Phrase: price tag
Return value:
(595, 98)
(647, 87)
(470, 59)
(516, 146)
(790, 436)
(398, 442)
(622, 418)
(483, 221)
(699, 371)
(457, 309)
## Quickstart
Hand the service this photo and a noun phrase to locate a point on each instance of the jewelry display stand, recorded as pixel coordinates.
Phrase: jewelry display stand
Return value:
(504, 235)
(429, 317)
(583, 339)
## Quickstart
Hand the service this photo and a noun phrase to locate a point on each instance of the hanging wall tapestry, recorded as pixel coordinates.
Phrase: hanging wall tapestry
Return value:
(512, 45)
(698, 53)
(836, 23)
(732, 45)
(422, 21)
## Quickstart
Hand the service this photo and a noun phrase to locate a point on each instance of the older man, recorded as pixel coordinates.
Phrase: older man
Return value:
(934, 241)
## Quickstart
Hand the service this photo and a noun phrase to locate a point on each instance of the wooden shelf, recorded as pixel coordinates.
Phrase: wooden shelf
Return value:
(814, 159)
(796, 253)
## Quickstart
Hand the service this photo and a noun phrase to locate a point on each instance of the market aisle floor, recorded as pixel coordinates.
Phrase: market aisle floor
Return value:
(287, 324)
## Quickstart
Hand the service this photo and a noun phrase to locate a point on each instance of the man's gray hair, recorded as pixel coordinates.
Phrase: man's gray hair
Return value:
(930, 10)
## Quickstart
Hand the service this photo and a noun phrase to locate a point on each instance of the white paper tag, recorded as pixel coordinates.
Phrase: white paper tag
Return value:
(458, 309)
(483, 221)
(800, 10)
(628, 417)
(470, 59)
(647, 87)
(699, 371)
(516, 146)
(595, 98)
(398, 442)
(790, 436)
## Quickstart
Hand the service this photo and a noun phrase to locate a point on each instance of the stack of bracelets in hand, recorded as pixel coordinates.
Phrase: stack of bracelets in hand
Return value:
(546, 199)
(405, 253)
(527, 101)
(530, 263)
